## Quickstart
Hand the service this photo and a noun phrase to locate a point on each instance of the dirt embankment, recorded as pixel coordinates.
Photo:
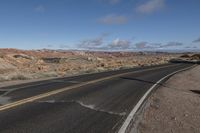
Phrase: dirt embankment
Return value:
(174, 108)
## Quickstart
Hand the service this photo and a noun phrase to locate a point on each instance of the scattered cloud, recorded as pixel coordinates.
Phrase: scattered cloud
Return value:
(197, 40)
(172, 44)
(93, 43)
(151, 6)
(191, 47)
(141, 45)
(113, 19)
(98, 43)
(40, 8)
(120, 44)
(156, 44)
(64, 46)
(146, 45)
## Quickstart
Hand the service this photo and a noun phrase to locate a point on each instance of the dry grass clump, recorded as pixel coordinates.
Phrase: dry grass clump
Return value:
(14, 76)
(23, 76)
(44, 75)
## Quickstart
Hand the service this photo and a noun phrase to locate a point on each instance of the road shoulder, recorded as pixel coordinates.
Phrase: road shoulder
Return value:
(174, 108)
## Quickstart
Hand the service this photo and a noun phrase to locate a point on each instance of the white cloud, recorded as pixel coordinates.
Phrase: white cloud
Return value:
(90, 43)
(113, 19)
(93, 43)
(40, 8)
(141, 45)
(120, 44)
(197, 40)
(64, 46)
(172, 44)
(145, 45)
(151, 6)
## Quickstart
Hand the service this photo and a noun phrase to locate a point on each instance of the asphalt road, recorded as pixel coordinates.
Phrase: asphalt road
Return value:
(98, 107)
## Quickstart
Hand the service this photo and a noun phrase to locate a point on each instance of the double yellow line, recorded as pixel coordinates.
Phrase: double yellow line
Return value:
(34, 98)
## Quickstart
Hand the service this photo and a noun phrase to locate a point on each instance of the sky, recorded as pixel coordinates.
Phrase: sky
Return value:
(100, 24)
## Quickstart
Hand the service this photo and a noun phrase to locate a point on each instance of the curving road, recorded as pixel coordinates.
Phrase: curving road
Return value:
(93, 103)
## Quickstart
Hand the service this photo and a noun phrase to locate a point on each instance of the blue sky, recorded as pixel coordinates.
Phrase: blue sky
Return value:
(100, 24)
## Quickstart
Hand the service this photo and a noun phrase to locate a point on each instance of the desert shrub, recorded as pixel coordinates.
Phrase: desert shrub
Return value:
(45, 75)
(18, 77)
(51, 60)
(2, 78)
(13, 76)
(89, 71)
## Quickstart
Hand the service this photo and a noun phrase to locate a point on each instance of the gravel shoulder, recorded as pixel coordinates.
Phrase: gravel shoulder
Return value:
(174, 108)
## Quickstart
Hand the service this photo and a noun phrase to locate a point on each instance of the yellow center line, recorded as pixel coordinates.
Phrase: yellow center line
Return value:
(40, 96)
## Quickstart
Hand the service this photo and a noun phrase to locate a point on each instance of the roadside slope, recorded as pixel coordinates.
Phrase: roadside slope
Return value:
(174, 108)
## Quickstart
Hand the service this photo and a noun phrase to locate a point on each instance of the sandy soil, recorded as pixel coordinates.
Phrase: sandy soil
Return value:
(174, 108)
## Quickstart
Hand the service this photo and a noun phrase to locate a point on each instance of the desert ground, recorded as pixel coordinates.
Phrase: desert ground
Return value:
(174, 107)
(36, 64)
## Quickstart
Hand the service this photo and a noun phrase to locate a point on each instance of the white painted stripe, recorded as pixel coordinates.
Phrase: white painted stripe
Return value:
(126, 123)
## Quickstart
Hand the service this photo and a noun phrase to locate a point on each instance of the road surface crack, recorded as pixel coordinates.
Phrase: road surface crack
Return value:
(92, 107)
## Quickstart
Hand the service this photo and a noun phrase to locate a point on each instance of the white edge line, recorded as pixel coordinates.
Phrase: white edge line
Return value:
(126, 123)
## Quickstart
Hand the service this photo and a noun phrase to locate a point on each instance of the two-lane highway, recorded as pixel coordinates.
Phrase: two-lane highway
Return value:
(94, 103)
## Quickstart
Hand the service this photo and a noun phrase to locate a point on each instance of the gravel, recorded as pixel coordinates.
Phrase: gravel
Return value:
(174, 108)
